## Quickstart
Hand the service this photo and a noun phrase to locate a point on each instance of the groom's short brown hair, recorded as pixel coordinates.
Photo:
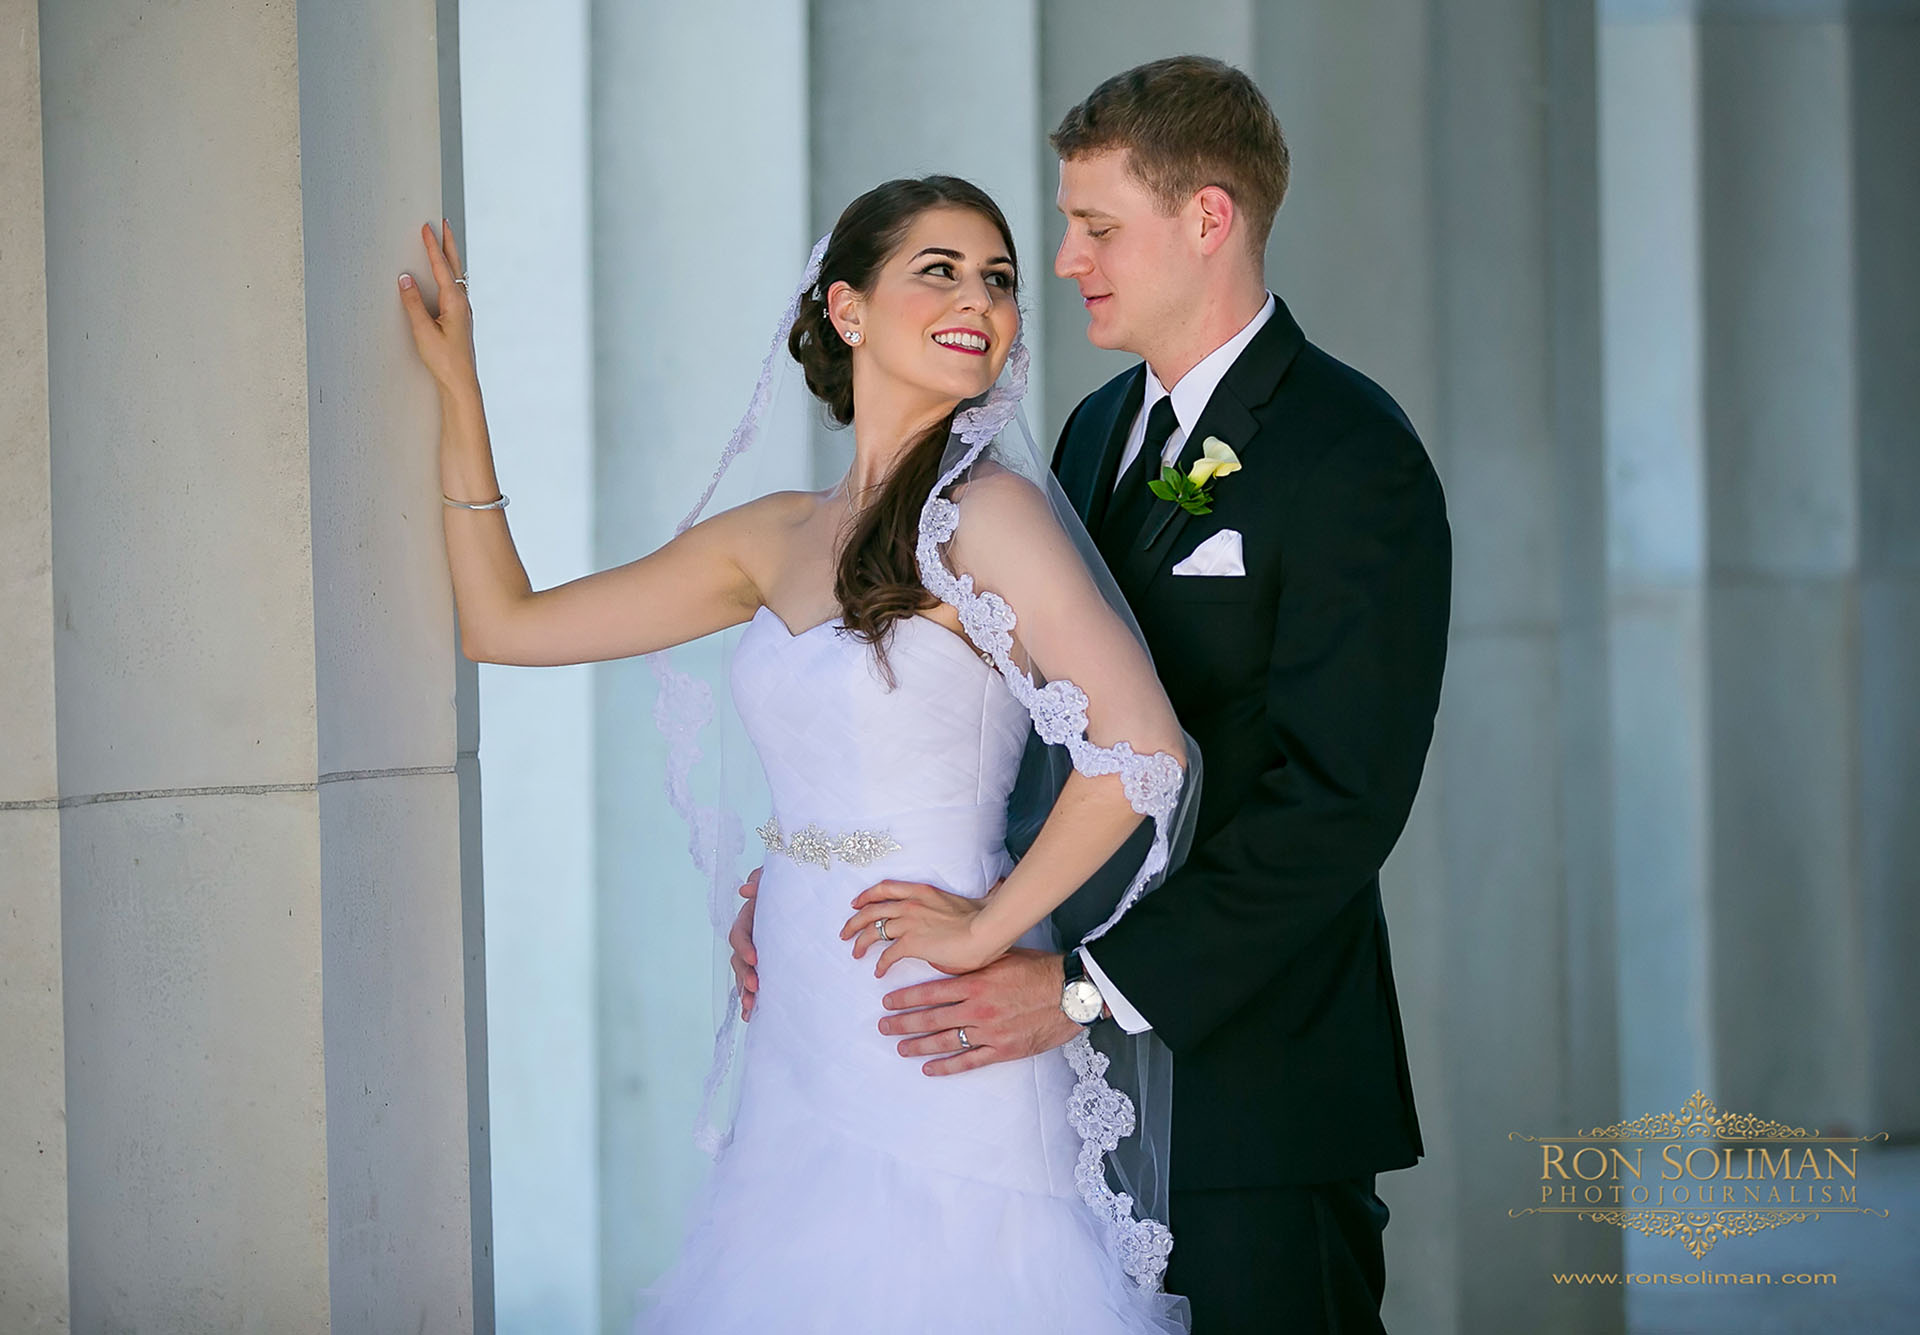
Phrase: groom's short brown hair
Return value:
(1188, 122)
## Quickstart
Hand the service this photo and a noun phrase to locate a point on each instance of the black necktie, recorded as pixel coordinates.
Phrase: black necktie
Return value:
(1132, 500)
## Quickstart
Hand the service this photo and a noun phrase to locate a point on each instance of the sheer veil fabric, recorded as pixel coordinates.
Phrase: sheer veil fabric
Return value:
(991, 475)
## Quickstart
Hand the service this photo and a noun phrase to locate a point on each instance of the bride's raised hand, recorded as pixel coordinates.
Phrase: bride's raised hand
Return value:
(444, 340)
(922, 922)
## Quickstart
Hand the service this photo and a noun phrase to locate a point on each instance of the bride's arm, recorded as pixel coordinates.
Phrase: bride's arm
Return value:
(1011, 543)
(698, 583)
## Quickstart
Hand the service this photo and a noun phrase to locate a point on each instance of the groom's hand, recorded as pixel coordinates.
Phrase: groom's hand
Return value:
(1010, 1009)
(744, 955)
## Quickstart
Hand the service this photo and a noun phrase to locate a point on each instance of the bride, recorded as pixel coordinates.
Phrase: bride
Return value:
(906, 631)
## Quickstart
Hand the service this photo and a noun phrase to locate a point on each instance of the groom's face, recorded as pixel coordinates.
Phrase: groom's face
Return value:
(1134, 264)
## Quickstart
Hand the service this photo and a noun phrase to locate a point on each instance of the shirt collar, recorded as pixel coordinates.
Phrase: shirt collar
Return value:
(1190, 395)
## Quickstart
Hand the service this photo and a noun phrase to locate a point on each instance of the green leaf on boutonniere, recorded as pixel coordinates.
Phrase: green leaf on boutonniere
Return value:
(1189, 495)
(1190, 490)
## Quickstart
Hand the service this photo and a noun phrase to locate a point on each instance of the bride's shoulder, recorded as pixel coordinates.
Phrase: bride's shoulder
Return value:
(770, 515)
(760, 537)
(1005, 517)
(996, 494)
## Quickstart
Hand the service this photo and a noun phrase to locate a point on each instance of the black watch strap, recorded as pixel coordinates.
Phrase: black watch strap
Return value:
(1076, 967)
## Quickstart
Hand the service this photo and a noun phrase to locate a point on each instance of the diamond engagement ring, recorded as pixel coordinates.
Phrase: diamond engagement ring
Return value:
(880, 924)
(963, 1038)
(462, 281)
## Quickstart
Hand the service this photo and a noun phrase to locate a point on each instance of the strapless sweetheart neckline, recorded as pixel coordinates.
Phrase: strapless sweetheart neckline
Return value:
(946, 633)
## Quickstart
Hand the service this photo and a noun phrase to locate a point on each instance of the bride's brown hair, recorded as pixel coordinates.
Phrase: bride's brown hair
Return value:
(877, 580)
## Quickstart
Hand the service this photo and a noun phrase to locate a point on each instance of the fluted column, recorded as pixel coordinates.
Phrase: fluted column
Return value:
(699, 233)
(1762, 587)
(273, 1050)
(33, 1132)
(526, 158)
(1439, 235)
(1654, 331)
(1352, 253)
(1789, 1025)
(1083, 42)
(1883, 64)
(883, 106)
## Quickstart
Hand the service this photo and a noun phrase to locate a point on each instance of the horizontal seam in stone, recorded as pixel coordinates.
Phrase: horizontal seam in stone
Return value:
(216, 790)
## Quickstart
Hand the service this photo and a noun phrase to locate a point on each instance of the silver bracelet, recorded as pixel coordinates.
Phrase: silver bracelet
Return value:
(499, 504)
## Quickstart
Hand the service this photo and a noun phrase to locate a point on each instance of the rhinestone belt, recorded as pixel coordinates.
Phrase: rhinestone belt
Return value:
(815, 845)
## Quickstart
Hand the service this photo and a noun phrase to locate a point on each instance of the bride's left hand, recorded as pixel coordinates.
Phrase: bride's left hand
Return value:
(923, 922)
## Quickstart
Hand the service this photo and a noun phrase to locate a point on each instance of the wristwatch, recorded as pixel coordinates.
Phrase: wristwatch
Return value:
(1080, 998)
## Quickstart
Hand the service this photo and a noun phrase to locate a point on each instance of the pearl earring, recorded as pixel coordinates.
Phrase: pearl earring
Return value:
(853, 336)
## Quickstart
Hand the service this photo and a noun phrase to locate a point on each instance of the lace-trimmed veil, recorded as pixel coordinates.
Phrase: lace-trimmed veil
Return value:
(1121, 1105)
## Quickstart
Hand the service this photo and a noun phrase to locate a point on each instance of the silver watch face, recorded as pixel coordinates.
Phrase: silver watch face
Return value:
(1081, 1001)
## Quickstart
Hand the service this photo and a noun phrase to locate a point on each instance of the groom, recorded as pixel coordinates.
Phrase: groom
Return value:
(1300, 629)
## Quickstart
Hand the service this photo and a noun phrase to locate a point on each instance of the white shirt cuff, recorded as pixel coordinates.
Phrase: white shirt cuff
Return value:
(1124, 1014)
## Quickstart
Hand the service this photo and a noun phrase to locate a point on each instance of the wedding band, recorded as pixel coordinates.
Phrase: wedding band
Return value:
(963, 1038)
(461, 280)
(880, 925)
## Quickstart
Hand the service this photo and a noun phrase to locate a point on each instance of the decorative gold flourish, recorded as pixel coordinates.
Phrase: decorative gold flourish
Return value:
(1700, 1118)
(1700, 1229)
(1697, 1119)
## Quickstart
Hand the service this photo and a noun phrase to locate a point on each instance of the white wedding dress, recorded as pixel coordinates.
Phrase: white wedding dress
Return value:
(858, 1193)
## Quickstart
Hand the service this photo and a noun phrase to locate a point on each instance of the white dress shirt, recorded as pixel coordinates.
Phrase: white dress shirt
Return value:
(1190, 394)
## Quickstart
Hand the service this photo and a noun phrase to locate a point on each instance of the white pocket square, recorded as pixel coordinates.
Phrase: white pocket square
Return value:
(1218, 555)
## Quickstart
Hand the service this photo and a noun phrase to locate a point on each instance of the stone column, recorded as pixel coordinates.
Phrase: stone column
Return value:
(1654, 330)
(1083, 42)
(1783, 531)
(525, 124)
(1440, 236)
(33, 1131)
(698, 127)
(1522, 749)
(268, 892)
(885, 104)
(1762, 590)
(1352, 253)
(1883, 64)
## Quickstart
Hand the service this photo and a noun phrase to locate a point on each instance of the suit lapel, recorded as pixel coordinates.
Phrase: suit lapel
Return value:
(1229, 414)
(1225, 416)
(1099, 493)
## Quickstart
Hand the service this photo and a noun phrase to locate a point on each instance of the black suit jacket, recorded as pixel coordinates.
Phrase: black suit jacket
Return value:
(1310, 685)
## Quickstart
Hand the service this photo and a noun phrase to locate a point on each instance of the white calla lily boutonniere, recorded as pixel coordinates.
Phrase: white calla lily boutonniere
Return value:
(1191, 491)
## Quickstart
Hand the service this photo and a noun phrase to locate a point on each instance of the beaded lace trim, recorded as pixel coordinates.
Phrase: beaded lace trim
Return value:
(1101, 1114)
